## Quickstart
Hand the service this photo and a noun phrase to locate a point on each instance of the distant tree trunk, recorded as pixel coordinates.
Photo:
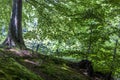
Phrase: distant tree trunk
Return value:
(90, 40)
(115, 49)
(14, 37)
(114, 55)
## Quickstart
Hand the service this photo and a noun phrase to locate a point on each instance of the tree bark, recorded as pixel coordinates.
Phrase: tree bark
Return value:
(14, 37)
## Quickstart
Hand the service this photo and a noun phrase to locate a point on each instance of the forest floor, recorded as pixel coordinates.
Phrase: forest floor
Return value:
(25, 65)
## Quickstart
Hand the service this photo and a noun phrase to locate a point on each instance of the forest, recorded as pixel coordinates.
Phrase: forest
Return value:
(59, 39)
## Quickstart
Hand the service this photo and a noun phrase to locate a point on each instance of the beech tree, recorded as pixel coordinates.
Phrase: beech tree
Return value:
(14, 37)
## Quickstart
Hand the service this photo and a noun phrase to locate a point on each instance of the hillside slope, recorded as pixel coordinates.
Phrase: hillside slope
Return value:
(23, 65)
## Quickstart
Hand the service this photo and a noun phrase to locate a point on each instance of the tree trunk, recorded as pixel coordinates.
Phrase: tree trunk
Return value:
(90, 41)
(14, 37)
(114, 55)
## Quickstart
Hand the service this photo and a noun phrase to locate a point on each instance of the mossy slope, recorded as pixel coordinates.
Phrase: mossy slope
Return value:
(39, 67)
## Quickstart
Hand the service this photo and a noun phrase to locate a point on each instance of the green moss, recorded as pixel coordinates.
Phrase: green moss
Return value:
(12, 70)
(13, 67)
(61, 72)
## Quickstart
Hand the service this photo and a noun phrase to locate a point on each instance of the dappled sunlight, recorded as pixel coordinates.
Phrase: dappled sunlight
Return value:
(59, 39)
(32, 62)
(21, 52)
